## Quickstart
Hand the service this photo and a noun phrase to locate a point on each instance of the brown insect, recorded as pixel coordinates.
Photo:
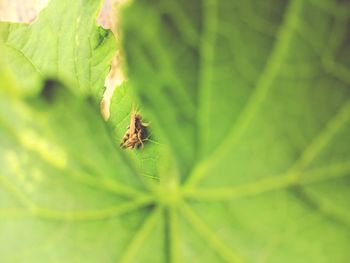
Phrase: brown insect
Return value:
(136, 134)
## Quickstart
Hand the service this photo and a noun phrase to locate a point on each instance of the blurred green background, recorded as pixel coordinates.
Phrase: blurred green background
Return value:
(249, 110)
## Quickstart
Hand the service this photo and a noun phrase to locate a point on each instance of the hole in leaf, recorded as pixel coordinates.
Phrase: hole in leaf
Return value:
(49, 89)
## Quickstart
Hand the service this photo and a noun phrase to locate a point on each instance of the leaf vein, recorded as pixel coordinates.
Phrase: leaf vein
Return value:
(257, 98)
(225, 252)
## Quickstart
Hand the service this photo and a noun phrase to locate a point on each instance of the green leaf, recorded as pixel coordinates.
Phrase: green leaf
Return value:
(66, 190)
(122, 106)
(250, 102)
(64, 42)
(253, 99)
(65, 185)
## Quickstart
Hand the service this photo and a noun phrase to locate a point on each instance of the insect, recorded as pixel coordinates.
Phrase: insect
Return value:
(136, 134)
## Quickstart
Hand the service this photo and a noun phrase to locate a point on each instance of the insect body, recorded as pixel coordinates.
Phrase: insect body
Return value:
(136, 134)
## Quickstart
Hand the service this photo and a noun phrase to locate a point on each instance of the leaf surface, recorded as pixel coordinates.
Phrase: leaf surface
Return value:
(63, 42)
(254, 100)
(249, 103)
(65, 183)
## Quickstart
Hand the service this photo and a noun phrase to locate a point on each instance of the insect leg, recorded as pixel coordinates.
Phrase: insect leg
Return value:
(139, 137)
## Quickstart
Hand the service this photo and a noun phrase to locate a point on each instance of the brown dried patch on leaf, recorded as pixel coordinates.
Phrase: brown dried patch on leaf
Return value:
(108, 19)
